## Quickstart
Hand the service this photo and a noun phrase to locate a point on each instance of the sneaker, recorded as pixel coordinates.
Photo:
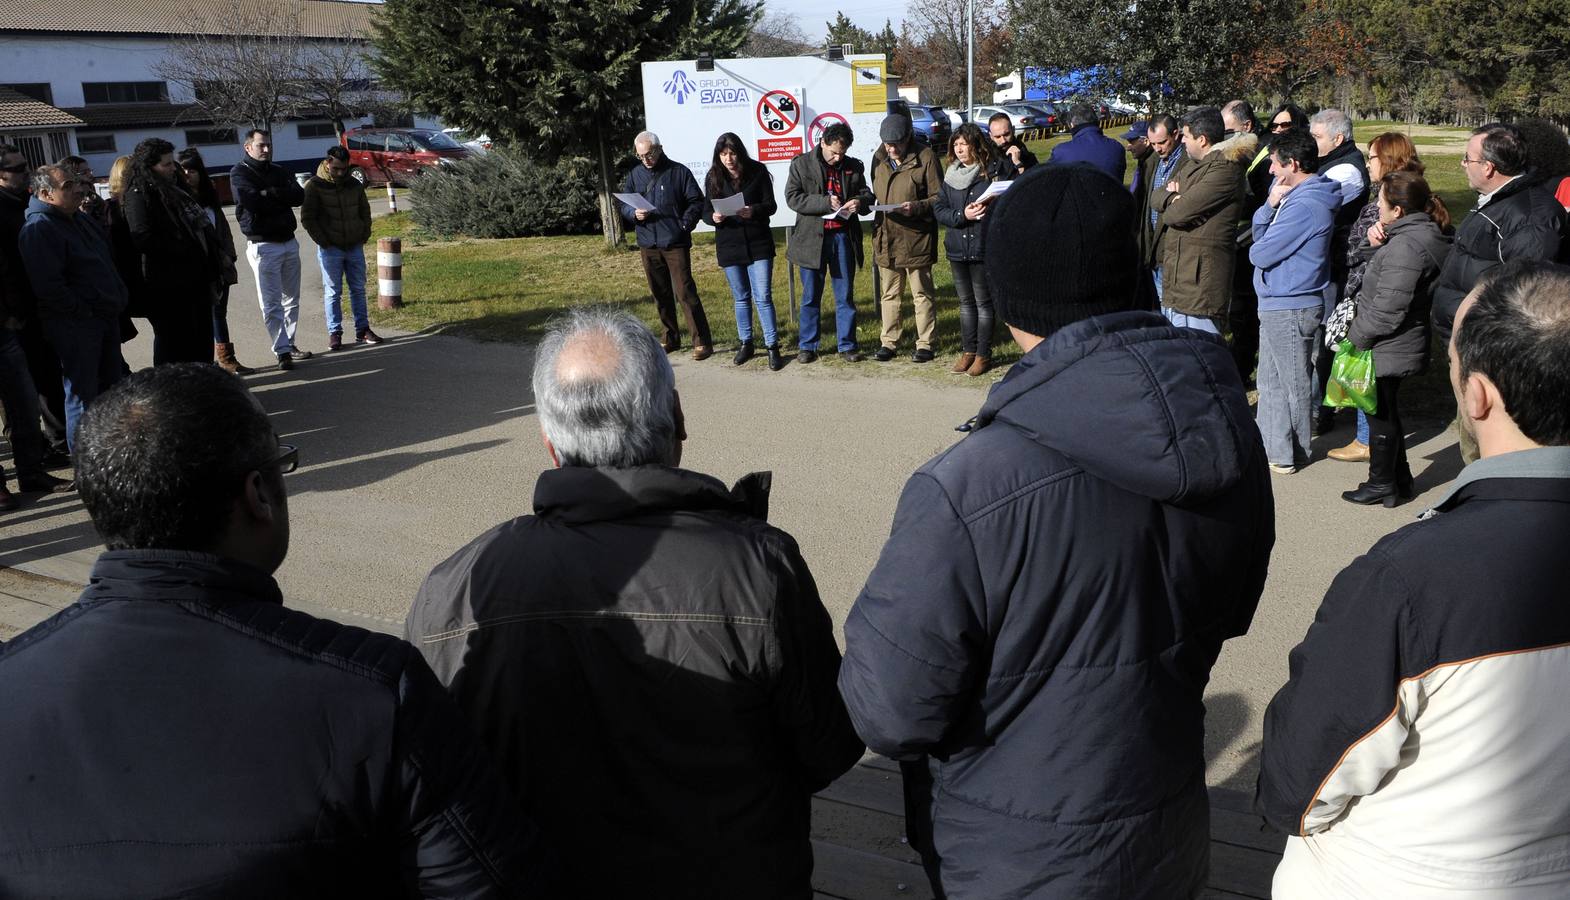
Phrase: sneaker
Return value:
(285, 362)
(884, 354)
(335, 342)
(922, 355)
(367, 337)
(297, 353)
(807, 356)
(1282, 470)
(851, 355)
(44, 483)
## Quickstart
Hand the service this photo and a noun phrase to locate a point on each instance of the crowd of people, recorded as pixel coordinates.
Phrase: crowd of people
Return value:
(1272, 237)
(635, 690)
(77, 269)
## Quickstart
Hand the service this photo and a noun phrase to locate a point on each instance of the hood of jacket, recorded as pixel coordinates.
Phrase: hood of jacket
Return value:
(37, 209)
(325, 175)
(1153, 409)
(1317, 190)
(1239, 148)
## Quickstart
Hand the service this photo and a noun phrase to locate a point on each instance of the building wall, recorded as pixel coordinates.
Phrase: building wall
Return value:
(66, 61)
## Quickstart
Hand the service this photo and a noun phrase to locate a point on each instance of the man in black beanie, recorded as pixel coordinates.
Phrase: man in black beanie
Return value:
(1038, 632)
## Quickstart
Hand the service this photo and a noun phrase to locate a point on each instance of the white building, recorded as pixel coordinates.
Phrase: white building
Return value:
(80, 76)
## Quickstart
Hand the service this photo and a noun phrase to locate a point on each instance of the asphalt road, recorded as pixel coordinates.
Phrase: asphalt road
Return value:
(410, 449)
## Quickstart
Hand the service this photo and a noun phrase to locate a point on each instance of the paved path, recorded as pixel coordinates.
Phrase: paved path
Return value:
(410, 449)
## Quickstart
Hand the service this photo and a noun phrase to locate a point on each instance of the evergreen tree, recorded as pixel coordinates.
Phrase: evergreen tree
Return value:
(558, 80)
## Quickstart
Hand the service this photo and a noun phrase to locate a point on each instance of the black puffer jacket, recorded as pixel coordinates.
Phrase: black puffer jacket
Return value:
(1521, 221)
(964, 240)
(1036, 638)
(1392, 307)
(178, 733)
(738, 241)
(264, 199)
(651, 664)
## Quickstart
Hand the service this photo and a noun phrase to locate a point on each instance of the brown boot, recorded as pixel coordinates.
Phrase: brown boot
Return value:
(980, 366)
(962, 365)
(227, 362)
(1357, 451)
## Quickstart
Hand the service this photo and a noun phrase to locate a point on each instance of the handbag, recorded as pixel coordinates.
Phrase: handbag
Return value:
(1352, 379)
(1340, 321)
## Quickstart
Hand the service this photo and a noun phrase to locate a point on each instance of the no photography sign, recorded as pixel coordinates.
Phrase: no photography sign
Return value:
(778, 115)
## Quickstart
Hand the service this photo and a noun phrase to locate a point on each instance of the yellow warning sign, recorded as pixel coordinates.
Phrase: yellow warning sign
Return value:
(867, 92)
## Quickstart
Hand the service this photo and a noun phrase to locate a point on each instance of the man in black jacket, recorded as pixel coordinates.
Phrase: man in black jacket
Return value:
(647, 657)
(264, 200)
(1034, 643)
(665, 240)
(1012, 159)
(179, 732)
(20, 305)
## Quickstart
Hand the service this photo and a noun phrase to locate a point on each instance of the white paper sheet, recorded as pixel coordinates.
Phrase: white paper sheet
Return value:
(885, 207)
(636, 201)
(729, 206)
(841, 213)
(994, 189)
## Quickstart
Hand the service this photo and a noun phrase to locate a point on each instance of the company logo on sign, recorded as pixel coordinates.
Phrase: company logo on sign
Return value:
(680, 86)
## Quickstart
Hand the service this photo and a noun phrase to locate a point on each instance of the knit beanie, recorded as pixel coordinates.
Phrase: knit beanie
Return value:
(1060, 248)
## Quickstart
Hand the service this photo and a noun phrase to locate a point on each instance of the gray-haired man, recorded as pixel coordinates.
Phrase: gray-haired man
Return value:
(665, 239)
(647, 658)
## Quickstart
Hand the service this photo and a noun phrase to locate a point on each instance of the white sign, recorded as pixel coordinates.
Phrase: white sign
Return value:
(752, 98)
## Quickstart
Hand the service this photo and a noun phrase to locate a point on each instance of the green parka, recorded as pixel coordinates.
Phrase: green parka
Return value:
(336, 212)
(901, 241)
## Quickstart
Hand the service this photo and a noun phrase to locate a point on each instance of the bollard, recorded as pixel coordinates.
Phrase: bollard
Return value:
(389, 272)
(392, 198)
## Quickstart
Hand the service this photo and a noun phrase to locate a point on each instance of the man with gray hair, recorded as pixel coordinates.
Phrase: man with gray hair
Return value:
(1341, 162)
(645, 656)
(664, 229)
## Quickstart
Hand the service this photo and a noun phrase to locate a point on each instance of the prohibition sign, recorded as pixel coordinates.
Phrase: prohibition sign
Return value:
(820, 124)
(778, 112)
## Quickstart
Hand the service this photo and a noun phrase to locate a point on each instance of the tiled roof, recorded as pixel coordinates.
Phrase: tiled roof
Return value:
(139, 115)
(21, 111)
(317, 18)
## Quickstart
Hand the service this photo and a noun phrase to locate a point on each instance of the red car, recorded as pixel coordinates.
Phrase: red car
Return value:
(382, 155)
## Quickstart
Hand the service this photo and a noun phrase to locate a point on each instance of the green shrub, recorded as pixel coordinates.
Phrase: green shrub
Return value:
(504, 194)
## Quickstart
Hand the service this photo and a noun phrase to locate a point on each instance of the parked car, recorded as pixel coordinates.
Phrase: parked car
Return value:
(480, 143)
(955, 118)
(982, 114)
(1043, 112)
(397, 155)
(932, 123)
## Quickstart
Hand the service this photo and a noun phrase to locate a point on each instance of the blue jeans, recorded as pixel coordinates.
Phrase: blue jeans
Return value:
(221, 316)
(753, 285)
(1156, 273)
(1288, 344)
(90, 363)
(340, 265)
(839, 264)
(1198, 323)
(20, 399)
(1362, 428)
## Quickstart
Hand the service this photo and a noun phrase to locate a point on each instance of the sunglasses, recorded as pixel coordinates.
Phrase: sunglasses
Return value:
(1281, 126)
(287, 460)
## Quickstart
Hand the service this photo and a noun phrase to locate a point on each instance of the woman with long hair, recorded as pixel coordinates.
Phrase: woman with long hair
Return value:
(194, 171)
(1287, 116)
(1392, 320)
(180, 254)
(743, 243)
(960, 210)
(127, 259)
(1388, 152)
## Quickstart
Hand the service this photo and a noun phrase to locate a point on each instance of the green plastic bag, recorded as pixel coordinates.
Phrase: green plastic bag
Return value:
(1352, 379)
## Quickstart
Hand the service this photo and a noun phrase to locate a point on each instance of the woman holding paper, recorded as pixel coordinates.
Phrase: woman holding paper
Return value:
(962, 209)
(738, 200)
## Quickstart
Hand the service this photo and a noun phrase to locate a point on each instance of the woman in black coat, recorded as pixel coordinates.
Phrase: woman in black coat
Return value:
(960, 209)
(743, 243)
(194, 171)
(180, 254)
(1392, 321)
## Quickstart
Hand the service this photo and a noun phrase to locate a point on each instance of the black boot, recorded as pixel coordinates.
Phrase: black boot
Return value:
(743, 353)
(1381, 485)
(1368, 493)
(776, 361)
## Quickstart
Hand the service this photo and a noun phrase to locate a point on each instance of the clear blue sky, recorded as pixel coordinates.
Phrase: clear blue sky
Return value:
(812, 15)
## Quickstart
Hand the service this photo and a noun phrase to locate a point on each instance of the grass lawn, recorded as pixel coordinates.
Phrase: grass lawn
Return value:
(506, 290)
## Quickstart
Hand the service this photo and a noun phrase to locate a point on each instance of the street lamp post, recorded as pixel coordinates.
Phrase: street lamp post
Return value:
(970, 59)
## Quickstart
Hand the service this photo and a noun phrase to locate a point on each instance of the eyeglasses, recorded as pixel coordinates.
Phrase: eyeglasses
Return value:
(288, 458)
(1468, 161)
(652, 154)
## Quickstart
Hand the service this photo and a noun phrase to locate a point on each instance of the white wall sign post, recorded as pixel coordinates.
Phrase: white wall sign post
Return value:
(777, 106)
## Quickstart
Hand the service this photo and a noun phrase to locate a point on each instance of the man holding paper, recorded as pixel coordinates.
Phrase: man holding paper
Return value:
(827, 189)
(662, 199)
(907, 179)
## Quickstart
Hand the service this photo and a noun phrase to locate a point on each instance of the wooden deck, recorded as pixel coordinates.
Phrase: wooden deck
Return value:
(858, 830)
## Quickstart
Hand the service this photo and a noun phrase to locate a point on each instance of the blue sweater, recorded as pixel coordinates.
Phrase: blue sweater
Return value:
(1291, 251)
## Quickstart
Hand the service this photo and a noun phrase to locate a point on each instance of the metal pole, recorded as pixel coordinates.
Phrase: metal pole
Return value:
(970, 58)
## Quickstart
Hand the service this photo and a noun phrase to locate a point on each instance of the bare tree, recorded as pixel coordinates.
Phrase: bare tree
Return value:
(241, 61)
(776, 34)
(336, 81)
(932, 49)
